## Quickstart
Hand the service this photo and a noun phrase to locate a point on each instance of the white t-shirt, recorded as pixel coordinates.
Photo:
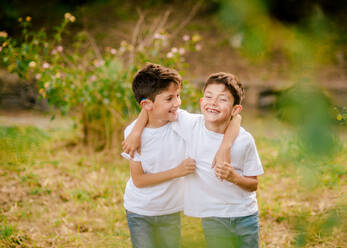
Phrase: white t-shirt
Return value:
(161, 149)
(204, 194)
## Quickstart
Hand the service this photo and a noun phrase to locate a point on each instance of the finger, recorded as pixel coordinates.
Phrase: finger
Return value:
(219, 177)
(139, 150)
(131, 153)
(213, 163)
(218, 174)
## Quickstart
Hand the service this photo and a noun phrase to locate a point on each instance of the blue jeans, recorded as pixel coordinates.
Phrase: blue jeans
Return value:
(154, 231)
(232, 232)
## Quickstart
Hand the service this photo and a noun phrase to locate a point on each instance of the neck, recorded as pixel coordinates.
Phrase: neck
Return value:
(217, 127)
(155, 122)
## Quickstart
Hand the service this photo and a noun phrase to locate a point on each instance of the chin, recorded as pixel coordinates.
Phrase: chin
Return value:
(173, 117)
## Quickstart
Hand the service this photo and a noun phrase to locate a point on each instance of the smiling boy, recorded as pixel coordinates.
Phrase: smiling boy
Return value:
(225, 198)
(154, 193)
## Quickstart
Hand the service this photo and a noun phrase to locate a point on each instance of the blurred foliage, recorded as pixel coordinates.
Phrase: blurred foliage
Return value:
(93, 83)
(16, 141)
(341, 115)
(305, 46)
(259, 35)
(305, 106)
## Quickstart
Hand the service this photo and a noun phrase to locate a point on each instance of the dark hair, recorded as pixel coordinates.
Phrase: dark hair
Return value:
(152, 80)
(230, 81)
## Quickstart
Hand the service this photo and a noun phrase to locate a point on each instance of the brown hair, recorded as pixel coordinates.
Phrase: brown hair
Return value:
(230, 81)
(152, 80)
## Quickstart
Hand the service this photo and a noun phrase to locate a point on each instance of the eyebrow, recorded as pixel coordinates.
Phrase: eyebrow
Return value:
(219, 94)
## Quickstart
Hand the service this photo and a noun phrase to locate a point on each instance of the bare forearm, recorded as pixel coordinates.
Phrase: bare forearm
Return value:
(151, 179)
(246, 183)
(141, 122)
(231, 132)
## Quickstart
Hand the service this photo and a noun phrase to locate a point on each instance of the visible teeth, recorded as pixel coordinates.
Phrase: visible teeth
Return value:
(212, 111)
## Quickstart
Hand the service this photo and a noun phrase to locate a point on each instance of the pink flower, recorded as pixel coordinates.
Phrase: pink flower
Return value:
(186, 37)
(92, 78)
(38, 76)
(46, 65)
(60, 48)
(182, 50)
(113, 51)
(198, 47)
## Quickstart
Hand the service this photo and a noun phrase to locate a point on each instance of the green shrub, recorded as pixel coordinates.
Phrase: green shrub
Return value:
(92, 83)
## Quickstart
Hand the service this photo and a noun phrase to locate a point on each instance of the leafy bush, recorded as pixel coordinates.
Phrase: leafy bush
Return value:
(92, 83)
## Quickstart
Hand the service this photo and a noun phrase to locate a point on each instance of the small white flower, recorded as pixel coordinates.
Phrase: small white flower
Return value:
(198, 47)
(32, 64)
(157, 36)
(236, 40)
(113, 51)
(54, 52)
(174, 50)
(169, 55)
(72, 19)
(182, 50)
(60, 48)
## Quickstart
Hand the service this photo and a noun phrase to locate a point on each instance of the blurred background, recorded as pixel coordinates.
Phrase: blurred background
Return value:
(65, 97)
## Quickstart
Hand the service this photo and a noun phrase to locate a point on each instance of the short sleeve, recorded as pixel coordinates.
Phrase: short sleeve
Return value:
(252, 163)
(184, 124)
(127, 131)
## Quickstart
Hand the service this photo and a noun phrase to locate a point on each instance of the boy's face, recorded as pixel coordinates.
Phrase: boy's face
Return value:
(165, 105)
(217, 104)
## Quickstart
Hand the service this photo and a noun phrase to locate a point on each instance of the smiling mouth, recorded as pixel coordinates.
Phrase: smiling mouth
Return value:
(213, 111)
(173, 111)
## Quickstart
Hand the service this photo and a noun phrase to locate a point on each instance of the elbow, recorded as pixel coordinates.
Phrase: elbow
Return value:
(254, 187)
(138, 183)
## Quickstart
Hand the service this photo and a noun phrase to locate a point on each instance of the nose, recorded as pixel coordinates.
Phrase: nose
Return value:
(212, 100)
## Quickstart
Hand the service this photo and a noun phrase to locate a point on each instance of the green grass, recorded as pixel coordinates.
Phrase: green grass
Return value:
(57, 195)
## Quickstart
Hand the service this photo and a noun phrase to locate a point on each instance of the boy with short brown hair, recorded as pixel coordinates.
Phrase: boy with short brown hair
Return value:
(154, 193)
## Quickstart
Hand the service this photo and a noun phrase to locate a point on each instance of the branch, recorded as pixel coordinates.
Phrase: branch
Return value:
(188, 19)
(93, 43)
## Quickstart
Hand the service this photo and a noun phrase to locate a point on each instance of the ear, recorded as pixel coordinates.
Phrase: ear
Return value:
(236, 110)
(146, 104)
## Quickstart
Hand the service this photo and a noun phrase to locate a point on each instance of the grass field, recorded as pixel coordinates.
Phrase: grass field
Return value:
(56, 193)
